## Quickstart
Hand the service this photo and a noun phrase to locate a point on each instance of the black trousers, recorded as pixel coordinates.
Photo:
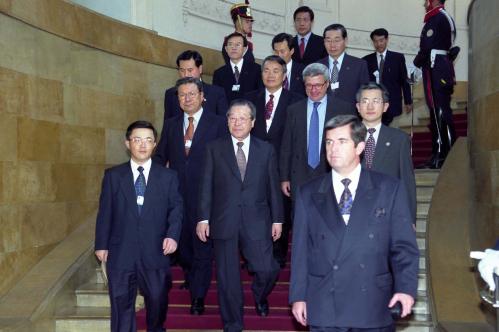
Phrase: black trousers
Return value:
(201, 268)
(261, 262)
(154, 285)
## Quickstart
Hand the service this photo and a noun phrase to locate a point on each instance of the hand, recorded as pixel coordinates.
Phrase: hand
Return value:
(169, 246)
(102, 255)
(299, 310)
(408, 108)
(203, 231)
(286, 188)
(276, 231)
(488, 264)
(406, 300)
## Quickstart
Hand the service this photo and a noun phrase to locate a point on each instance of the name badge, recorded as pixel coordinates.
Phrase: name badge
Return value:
(188, 143)
(376, 75)
(140, 200)
(236, 87)
(335, 86)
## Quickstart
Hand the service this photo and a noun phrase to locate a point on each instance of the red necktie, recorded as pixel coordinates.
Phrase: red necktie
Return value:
(285, 84)
(302, 47)
(189, 132)
(269, 107)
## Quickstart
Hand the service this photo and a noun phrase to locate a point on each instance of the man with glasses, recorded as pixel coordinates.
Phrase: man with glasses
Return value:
(238, 76)
(388, 150)
(138, 226)
(240, 208)
(181, 147)
(347, 73)
(190, 64)
(302, 152)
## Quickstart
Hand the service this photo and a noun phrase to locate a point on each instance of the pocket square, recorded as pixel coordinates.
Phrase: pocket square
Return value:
(379, 212)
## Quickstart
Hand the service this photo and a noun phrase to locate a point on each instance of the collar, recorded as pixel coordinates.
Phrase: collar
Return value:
(432, 12)
(276, 94)
(376, 133)
(196, 116)
(340, 60)
(310, 102)
(384, 54)
(307, 37)
(354, 176)
(246, 142)
(239, 64)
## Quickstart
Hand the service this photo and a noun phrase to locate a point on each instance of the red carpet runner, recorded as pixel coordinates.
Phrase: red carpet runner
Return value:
(279, 319)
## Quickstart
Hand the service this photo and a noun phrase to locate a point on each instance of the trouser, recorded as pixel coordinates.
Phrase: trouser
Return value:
(154, 285)
(201, 268)
(230, 292)
(282, 244)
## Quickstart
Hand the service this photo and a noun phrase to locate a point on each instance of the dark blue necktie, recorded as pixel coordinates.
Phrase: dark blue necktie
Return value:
(313, 137)
(140, 187)
(346, 199)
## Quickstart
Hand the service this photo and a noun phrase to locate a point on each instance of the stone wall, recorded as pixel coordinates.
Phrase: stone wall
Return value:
(483, 121)
(70, 82)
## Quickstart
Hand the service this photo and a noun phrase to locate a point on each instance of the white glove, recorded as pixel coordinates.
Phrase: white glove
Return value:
(488, 265)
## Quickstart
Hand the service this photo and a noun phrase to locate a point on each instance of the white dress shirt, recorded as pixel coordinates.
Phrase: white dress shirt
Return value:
(277, 95)
(196, 116)
(239, 65)
(331, 64)
(339, 187)
(375, 134)
(289, 66)
(135, 171)
(378, 56)
(307, 37)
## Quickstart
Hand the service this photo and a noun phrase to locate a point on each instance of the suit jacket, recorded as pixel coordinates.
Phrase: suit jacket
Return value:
(394, 78)
(171, 150)
(293, 161)
(214, 101)
(392, 156)
(314, 51)
(229, 203)
(129, 236)
(250, 79)
(296, 82)
(353, 74)
(274, 135)
(347, 274)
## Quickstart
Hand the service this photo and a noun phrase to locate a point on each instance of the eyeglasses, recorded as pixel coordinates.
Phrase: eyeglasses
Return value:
(188, 94)
(184, 71)
(240, 120)
(333, 41)
(375, 101)
(140, 140)
(314, 86)
(229, 44)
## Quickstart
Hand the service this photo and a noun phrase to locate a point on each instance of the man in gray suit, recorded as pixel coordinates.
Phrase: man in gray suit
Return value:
(388, 150)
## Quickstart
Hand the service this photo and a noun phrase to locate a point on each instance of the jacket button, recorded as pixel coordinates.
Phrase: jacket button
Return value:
(335, 267)
(371, 236)
(362, 266)
(331, 290)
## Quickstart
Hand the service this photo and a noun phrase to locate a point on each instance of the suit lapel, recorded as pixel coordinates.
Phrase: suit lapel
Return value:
(345, 68)
(152, 188)
(301, 120)
(260, 116)
(178, 133)
(128, 188)
(325, 202)
(363, 202)
(201, 129)
(278, 113)
(382, 145)
(230, 157)
(254, 152)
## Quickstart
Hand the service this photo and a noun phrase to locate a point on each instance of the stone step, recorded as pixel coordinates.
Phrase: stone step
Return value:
(96, 295)
(421, 243)
(422, 209)
(426, 178)
(421, 225)
(424, 194)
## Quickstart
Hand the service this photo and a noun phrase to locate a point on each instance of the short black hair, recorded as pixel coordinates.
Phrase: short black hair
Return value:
(243, 102)
(190, 55)
(279, 38)
(304, 9)
(189, 80)
(278, 59)
(140, 124)
(379, 32)
(335, 26)
(373, 86)
(358, 131)
(236, 34)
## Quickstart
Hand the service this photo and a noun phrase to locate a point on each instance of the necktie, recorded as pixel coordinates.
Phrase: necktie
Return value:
(285, 84)
(335, 72)
(236, 74)
(346, 199)
(302, 47)
(269, 107)
(189, 133)
(313, 138)
(241, 159)
(370, 146)
(140, 188)
(381, 66)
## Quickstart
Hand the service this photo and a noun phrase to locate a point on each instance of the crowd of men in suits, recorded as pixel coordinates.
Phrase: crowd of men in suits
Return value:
(302, 139)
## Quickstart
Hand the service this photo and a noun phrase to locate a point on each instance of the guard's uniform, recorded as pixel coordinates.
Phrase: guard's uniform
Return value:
(238, 11)
(437, 37)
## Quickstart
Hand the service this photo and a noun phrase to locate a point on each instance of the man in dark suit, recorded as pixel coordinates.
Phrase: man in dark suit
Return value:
(310, 47)
(138, 227)
(302, 152)
(283, 46)
(181, 147)
(347, 73)
(241, 208)
(238, 76)
(271, 108)
(190, 64)
(388, 68)
(354, 253)
(388, 150)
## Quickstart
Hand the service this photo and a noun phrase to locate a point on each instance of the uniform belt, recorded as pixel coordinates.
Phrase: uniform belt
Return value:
(434, 54)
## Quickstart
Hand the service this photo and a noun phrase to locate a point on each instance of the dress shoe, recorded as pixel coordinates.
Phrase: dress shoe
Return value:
(197, 306)
(262, 308)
